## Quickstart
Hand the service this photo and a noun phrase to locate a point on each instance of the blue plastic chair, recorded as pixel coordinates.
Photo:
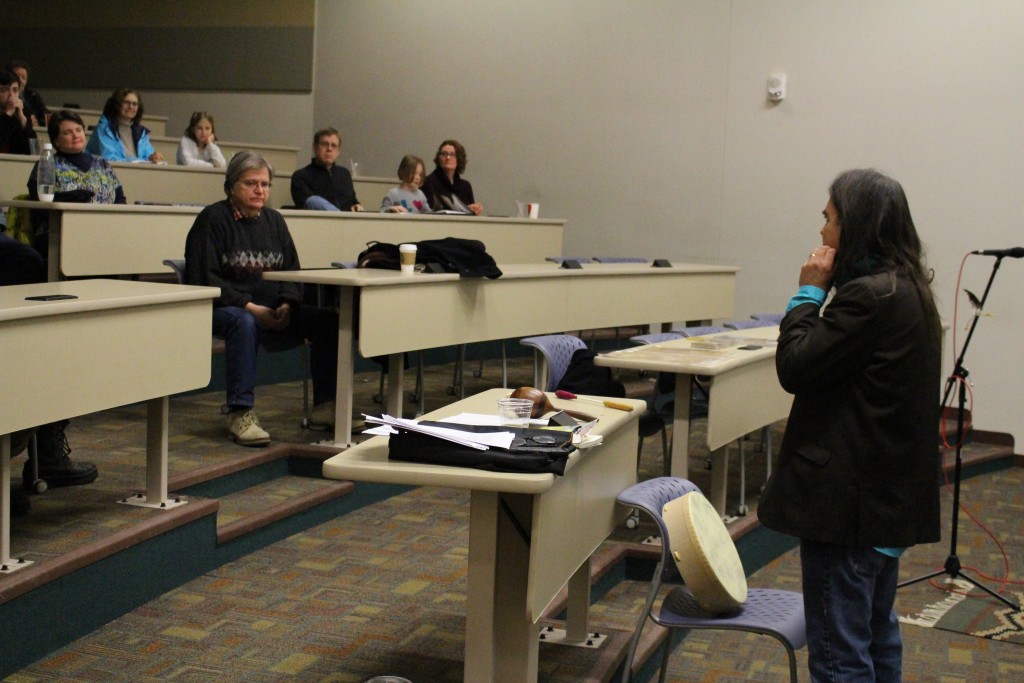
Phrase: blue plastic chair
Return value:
(767, 611)
(556, 350)
(621, 259)
(769, 318)
(655, 337)
(699, 330)
(746, 324)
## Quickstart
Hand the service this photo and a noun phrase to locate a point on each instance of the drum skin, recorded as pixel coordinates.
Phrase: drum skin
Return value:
(705, 554)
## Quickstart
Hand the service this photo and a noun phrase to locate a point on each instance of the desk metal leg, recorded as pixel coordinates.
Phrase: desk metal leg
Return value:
(396, 384)
(681, 428)
(7, 564)
(719, 478)
(343, 401)
(157, 414)
(501, 644)
(577, 624)
(53, 246)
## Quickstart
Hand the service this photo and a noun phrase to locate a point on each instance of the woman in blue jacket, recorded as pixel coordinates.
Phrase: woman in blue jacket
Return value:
(119, 136)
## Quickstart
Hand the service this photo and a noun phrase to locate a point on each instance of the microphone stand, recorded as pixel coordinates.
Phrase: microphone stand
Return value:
(952, 565)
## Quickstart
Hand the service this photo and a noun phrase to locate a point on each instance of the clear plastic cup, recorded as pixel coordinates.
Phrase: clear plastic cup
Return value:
(514, 412)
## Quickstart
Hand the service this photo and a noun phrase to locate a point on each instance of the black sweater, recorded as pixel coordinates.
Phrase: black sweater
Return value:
(221, 251)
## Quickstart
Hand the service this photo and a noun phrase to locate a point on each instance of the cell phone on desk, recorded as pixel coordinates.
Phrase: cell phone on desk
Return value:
(50, 297)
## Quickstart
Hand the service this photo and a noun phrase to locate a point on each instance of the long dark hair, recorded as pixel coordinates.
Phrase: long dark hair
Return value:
(877, 233)
(112, 107)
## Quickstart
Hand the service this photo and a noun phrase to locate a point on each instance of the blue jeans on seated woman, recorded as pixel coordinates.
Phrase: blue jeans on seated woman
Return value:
(853, 635)
(242, 338)
(318, 203)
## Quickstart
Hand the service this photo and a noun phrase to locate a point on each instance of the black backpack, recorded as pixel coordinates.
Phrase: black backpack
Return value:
(468, 258)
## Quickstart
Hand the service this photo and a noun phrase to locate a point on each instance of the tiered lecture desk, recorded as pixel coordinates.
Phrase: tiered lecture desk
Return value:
(171, 184)
(745, 394)
(90, 240)
(116, 343)
(399, 313)
(518, 566)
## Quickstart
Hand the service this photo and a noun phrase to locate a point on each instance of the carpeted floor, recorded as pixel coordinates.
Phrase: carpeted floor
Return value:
(381, 590)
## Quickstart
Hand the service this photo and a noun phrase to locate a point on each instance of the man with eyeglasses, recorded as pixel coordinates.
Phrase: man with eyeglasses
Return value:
(323, 185)
(231, 244)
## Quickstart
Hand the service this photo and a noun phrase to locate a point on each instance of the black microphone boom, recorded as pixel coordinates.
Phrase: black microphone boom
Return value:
(1013, 252)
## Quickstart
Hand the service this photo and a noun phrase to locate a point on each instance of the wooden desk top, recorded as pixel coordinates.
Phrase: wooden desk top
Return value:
(681, 356)
(93, 295)
(371, 277)
(368, 461)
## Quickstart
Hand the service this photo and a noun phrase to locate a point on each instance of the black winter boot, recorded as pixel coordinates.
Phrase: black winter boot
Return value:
(56, 468)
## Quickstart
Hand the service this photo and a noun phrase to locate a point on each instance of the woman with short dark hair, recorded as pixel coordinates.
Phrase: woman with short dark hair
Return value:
(445, 187)
(81, 176)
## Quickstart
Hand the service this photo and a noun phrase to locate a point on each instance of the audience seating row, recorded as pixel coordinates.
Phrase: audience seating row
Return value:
(153, 184)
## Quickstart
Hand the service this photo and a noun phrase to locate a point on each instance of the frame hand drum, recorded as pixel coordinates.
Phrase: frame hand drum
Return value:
(705, 554)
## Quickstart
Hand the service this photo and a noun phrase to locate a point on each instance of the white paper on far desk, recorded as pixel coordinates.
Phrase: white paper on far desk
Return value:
(480, 441)
(484, 420)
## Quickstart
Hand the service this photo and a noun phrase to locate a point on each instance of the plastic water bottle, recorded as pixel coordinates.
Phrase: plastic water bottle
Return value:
(46, 174)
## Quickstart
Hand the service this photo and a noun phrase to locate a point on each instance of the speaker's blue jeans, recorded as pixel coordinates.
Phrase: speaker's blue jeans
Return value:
(853, 635)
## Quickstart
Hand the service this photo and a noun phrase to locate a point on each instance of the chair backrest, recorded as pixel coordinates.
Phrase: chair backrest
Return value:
(557, 350)
(769, 318)
(699, 330)
(745, 324)
(178, 266)
(651, 496)
(655, 337)
(621, 259)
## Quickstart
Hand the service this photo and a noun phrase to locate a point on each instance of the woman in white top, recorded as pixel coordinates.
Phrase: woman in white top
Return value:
(197, 147)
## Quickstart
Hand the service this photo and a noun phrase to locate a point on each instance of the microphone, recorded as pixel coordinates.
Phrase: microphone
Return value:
(1014, 252)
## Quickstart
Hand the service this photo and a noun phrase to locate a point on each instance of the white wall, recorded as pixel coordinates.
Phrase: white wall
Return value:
(929, 92)
(646, 125)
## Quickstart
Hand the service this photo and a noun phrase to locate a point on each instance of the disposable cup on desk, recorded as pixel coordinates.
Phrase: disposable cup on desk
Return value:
(534, 210)
(514, 412)
(522, 209)
(407, 254)
(355, 167)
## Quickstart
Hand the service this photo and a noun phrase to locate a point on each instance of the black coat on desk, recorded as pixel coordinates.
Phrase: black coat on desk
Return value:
(859, 464)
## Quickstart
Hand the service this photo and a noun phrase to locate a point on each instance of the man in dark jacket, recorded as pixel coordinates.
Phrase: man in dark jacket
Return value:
(858, 473)
(323, 185)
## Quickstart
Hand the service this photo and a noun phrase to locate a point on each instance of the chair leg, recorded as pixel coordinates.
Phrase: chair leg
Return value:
(420, 398)
(38, 485)
(741, 509)
(665, 652)
(305, 385)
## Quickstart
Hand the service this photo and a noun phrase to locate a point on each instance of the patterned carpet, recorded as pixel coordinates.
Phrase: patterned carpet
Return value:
(382, 590)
